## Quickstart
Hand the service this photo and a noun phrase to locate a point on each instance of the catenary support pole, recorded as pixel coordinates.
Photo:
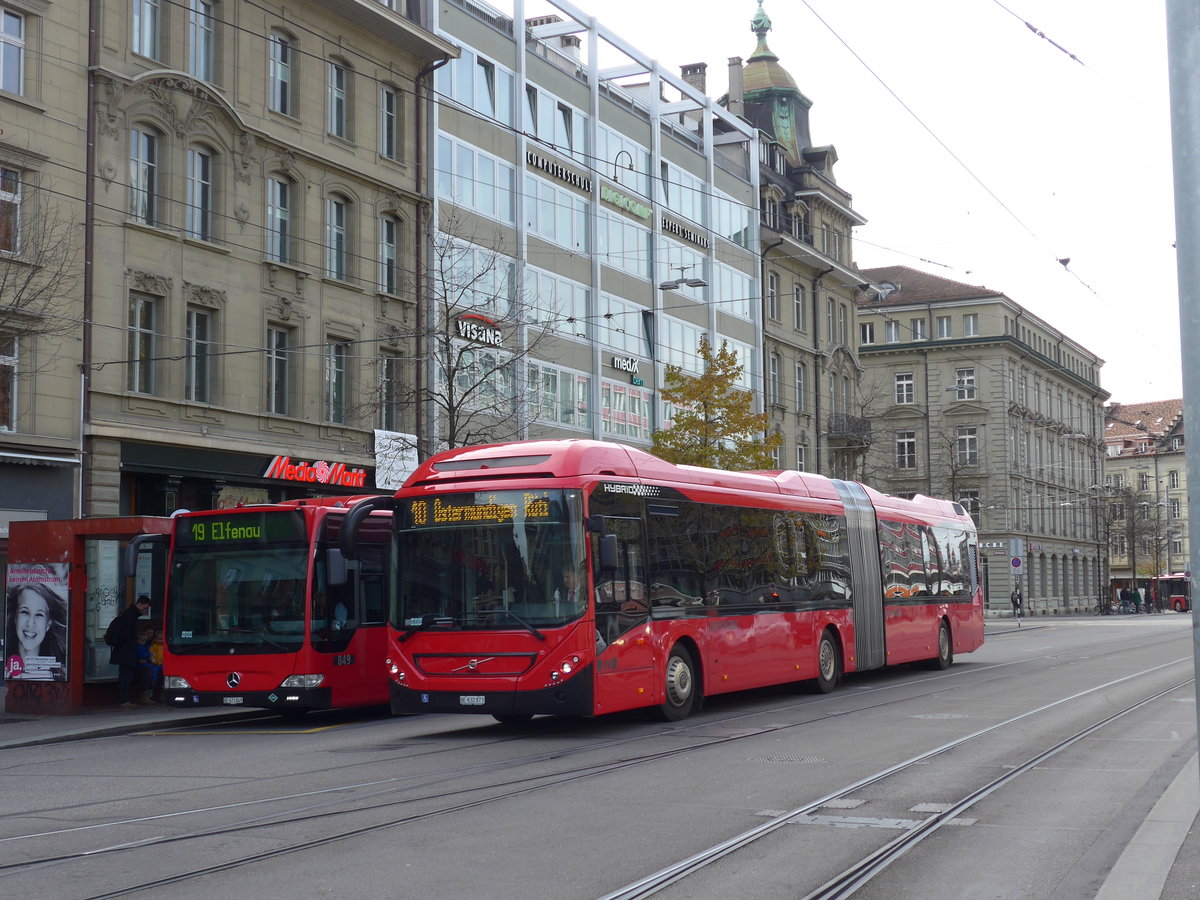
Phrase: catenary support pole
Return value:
(1183, 62)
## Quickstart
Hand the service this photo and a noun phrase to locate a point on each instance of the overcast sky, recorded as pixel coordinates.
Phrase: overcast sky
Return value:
(1045, 156)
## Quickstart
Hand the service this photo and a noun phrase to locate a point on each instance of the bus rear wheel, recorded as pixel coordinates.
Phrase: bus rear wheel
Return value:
(945, 649)
(829, 663)
(680, 685)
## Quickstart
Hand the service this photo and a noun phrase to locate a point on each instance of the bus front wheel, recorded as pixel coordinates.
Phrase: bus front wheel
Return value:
(680, 686)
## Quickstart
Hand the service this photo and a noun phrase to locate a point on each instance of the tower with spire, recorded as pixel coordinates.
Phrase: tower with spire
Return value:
(809, 278)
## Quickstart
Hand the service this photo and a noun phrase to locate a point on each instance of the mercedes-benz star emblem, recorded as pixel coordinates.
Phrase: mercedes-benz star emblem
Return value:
(234, 679)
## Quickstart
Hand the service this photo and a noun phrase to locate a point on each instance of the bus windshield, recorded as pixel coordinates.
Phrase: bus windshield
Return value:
(490, 559)
(237, 583)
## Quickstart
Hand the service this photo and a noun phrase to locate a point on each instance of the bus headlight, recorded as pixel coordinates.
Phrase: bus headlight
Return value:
(570, 664)
(175, 683)
(394, 671)
(302, 681)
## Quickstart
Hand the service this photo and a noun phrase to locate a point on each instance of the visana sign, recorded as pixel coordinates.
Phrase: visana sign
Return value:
(480, 329)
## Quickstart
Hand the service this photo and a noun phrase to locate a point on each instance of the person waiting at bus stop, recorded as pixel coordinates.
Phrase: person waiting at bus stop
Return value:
(122, 635)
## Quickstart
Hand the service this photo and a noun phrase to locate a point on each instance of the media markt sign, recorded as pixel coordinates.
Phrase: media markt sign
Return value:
(321, 472)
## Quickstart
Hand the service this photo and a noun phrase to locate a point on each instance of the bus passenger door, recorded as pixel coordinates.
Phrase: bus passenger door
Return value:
(624, 650)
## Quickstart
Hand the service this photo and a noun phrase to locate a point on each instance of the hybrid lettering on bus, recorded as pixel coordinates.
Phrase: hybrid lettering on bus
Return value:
(587, 577)
(263, 611)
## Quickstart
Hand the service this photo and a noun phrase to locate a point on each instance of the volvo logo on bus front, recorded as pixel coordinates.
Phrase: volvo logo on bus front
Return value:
(234, 679)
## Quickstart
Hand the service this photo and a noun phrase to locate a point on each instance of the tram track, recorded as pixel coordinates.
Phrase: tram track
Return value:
(845, 883)
(521, 786)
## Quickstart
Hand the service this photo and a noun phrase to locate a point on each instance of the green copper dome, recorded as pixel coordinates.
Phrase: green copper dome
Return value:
(763, 71)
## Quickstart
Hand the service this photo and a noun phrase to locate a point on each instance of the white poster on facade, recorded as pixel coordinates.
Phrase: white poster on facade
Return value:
(35, 617)
(395, 458)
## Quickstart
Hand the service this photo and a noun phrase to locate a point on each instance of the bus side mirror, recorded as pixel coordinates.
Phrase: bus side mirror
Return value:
(594, 524)
(336, 571)
(608, 552)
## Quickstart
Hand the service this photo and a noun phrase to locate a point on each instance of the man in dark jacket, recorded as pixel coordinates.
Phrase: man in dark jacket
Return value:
(124, 656)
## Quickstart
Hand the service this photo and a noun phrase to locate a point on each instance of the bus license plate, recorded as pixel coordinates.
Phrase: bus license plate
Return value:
(470, 699)
(232, 701)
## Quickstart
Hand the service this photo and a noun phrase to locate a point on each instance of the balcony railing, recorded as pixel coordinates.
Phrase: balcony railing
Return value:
(848, 429)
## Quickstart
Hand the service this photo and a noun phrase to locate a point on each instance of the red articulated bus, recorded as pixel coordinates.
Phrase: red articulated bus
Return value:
(585, 577)
(262, 609)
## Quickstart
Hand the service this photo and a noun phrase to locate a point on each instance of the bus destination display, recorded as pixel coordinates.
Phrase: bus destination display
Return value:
(501, 508)
(239, 528)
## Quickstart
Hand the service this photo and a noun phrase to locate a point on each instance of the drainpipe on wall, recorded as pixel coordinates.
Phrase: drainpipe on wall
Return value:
(425, 442)
(89, 229)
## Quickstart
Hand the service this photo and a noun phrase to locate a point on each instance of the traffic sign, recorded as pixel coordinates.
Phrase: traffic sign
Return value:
(1016, 562)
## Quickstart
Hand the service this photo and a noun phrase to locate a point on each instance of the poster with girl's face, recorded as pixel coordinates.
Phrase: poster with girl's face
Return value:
(35, 622)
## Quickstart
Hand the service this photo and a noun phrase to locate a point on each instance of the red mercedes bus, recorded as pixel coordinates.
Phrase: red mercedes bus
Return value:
(586, 577)
(262, 610)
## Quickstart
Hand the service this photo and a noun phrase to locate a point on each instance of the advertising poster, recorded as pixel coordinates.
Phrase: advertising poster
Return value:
(35, 622)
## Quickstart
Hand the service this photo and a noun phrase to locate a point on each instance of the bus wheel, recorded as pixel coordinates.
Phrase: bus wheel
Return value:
(680, 684)
(829, 663)
(512, 718)
(945, 654)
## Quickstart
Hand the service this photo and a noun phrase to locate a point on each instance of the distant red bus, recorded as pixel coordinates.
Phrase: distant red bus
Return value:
(263, 611)
(587, 577)
(1173, 591)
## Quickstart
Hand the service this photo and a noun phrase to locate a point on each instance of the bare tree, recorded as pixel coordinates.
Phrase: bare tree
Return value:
(481, 330)
(39, 247)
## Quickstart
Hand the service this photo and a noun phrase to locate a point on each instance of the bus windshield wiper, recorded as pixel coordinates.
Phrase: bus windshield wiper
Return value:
(512, 615)
(427, 622)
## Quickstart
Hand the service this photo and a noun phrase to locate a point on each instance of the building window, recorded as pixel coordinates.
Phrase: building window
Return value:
(143, 176)
(866, 332)
(389, 122)
(971, 325)
(199, 188)
(1173, 479)
(968, 499)
(966, 443)
(197, 383)
(282, 53)
(829, 305)
(389, 255)
(337, 100)
(798, 304)
(146, 24)
(918, 330)
(964, 384)
(905, 389)
(801, 458)
(8, 381)
(1175, 508)
(336, 217)
(389, 392)
(10, 211)
(945, 327)
(891, 332)
(143, 338)
(201, 39)
(279, 220)
(12, 51)
(906, 449)
(278, 374)
(842, 323)
(337, 353)
(773, 379)
(773, 296)
(801, 387)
